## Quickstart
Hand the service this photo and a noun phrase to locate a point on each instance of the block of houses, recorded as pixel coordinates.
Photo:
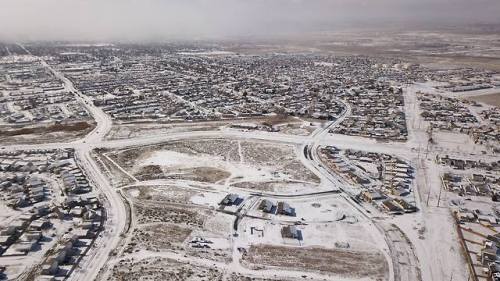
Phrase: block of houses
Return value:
(373, 195)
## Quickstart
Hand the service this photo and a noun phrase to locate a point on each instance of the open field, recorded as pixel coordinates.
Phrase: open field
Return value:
(158, 237)
(165, 219)
(160, 194)
(148, 213)
(341, 262)
(239, 277)
(124, 131)
(183, 216)
(246, 164)
(49, 133)
(491, 99)
(162, 269)
(285, 124)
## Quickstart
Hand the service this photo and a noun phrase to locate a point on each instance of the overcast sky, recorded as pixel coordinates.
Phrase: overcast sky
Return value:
(199, 19)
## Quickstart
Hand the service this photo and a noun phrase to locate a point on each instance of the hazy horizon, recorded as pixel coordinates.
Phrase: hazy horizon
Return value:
(108, 20)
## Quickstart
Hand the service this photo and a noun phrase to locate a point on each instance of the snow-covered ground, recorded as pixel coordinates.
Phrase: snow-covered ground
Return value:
(420, 246)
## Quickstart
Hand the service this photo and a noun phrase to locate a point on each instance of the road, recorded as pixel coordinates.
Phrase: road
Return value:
(403, 255)
(115, 221)
(102, 119)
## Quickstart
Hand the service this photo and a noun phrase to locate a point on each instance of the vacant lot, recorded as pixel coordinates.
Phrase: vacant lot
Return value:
(71, 127)
(162, 269)
(148, 213)
(159, 236)
(225, 150)
(239, 277)
(42, 134)
(342, 262)
(251, 164)
(491, 99)
(160, 194)
(124, 131)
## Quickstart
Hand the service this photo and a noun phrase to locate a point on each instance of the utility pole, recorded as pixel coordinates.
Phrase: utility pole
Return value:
(439, 196)
(426, 184)
(429, 138)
